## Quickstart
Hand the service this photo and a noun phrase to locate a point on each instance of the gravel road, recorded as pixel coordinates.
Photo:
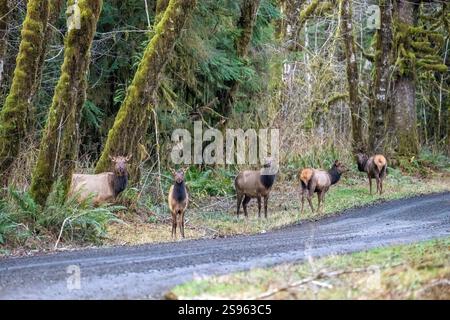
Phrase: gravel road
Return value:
(148, 271)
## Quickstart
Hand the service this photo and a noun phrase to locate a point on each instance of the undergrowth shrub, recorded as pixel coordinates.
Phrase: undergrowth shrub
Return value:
(60, 217)
(210, 182)
(426, 163)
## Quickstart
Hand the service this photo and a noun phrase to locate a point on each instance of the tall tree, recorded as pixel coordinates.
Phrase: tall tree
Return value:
(13, 116)
(4, 17)
(379, 108)
(132, 120)
(55, 11)
(352, 75)
(58, 147)
(246, 24)
(404, 89)
(161, 6)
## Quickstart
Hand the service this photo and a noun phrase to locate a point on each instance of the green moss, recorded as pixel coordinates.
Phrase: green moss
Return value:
(58, 147)
(132, 120)
(13, 117)
(308, 11)
(417, 47)
(407, 143)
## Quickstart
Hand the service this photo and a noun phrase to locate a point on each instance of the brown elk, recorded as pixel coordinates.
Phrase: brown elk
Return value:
(178, 201)
(105, 187)
(375, 167)
(319, 181)
(255, 184)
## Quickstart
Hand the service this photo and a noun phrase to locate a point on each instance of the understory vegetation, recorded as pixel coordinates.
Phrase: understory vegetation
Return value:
(334, 77)
(417, 271)
(142, 215)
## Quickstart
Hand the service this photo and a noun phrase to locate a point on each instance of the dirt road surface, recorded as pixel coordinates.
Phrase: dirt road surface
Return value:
(147, 271)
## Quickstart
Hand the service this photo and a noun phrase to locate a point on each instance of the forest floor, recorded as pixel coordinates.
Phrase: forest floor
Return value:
(214, 217)
(414, 271)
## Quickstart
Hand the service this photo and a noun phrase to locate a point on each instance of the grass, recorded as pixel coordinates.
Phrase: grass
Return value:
(417, 271)
(146, 219)
(216, 216)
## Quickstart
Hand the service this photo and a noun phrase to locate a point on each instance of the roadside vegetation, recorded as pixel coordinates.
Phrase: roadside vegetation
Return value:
(417, 271)
(142, 215)
(74, 95)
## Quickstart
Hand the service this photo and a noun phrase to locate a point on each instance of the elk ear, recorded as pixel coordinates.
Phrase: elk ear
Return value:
(172, 171)
(128, 158)
(185, 169)
(113, 159)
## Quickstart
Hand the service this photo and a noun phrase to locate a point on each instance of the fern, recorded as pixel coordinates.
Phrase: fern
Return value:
(92, 115)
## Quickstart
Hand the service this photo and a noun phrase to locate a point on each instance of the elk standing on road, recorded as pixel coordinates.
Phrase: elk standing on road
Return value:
(255, 184)
(319, 181)
(178, 202)
(104, 186)
(375, 167)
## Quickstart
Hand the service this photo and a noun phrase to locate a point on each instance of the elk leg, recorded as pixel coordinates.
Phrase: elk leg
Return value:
(378, 185)
(381, 186)
(311, 189)
(309, 197)
(319, 201)
(174, 226)
(266, 200)
(323, 199)
(259, 206)
(181, 223)
(244, 204)
(303, 199)
(370, 184)
(239, 201)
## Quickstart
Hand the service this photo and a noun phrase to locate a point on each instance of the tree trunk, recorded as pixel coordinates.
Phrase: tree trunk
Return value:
(352, 76)
(4, 18)
(405, 116)
(55, 10)
(246, 24)
(58, 147)
(383, 60)
(13, 116)
(132, 120)
(161, 6)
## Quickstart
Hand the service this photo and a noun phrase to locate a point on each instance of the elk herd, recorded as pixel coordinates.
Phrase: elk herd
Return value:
(249, 184)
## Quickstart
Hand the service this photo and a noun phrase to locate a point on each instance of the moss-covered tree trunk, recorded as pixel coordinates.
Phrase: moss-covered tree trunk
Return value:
(55, 10)
(58, 147)
(404, 91)
(352, 76)
(161, 6)
(4, 10)
(13, 116)
(246, 23)
(132, 120)
(379, 108)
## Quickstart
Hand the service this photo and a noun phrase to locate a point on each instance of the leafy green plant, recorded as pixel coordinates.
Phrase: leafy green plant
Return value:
(92, 115)
(218, 182)
(65, 219)
(7, 225)
(319, 157)
(427, 162)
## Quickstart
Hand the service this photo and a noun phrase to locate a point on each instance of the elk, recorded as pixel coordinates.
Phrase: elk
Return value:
(104, 186)
(319, 181)
(255, 184)
(375, 167)
(178, 201)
